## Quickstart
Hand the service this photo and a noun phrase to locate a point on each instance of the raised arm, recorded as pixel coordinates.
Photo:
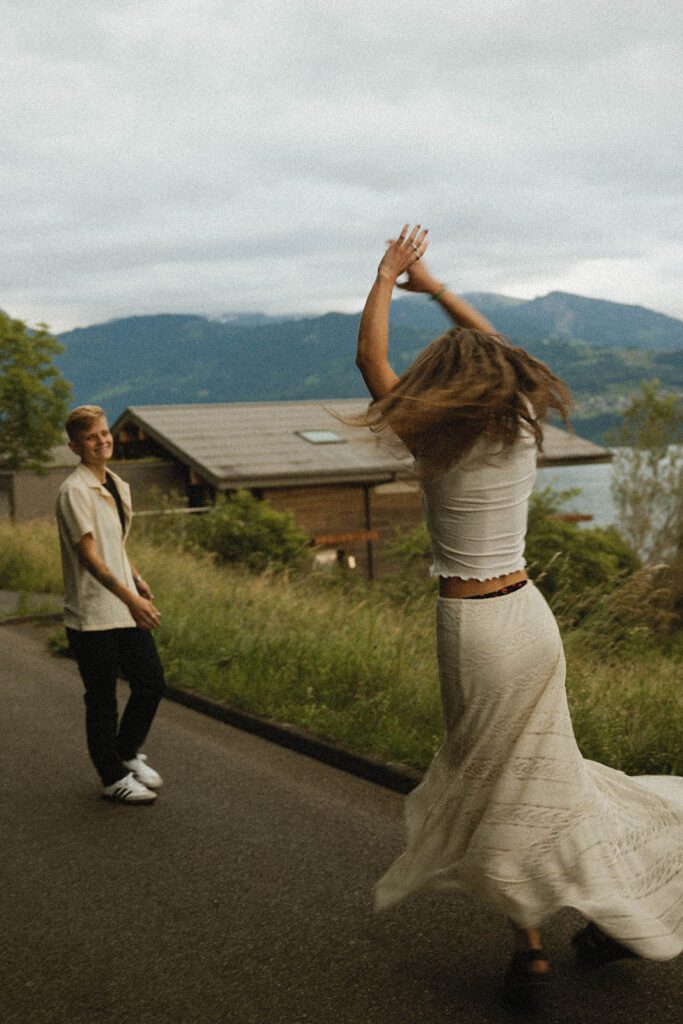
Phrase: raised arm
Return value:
(460, 312)
(372, 355)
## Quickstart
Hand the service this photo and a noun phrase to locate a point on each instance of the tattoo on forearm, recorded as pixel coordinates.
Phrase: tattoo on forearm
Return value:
(105, 577)
(97, 568)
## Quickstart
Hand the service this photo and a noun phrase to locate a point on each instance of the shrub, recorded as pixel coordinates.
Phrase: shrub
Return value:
(239, 528)
(573, 566)
(412, 552)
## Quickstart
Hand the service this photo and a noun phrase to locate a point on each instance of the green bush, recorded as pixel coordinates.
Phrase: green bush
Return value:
(573, 566)
(239, 528)
(410, 555)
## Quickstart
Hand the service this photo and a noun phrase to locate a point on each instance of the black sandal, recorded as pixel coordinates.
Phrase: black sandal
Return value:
(523, 988)
(593, 948)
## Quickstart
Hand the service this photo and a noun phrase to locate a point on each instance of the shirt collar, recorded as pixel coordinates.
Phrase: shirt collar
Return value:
(88, 477)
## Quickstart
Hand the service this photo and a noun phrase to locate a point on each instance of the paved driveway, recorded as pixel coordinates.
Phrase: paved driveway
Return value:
(242, 896)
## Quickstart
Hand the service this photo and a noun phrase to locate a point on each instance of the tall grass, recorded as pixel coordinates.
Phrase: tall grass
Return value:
(358, 667)
(625, 677)
(29, 557)
(627, 708)
(353, 668)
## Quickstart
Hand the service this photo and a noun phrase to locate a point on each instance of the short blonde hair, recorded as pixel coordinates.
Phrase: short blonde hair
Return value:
(80, 419)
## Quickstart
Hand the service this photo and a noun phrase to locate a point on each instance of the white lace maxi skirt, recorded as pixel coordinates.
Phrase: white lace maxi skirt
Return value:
(510, 810)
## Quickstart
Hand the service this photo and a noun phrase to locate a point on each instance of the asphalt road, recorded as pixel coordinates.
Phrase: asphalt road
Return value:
(243, 895)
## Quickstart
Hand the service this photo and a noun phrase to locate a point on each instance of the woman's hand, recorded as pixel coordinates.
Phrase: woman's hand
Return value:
(419, 279)
(403, 253)
(373, 331)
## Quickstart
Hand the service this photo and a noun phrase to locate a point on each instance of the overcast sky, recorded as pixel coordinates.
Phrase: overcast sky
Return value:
(211, 156)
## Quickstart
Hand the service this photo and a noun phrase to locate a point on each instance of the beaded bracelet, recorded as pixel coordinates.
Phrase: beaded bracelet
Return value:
(437, 295)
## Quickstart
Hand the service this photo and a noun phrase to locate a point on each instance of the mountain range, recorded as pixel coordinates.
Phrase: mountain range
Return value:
(599, 347)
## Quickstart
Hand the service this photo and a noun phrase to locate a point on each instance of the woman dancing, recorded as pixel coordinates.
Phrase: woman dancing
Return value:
(509, 809)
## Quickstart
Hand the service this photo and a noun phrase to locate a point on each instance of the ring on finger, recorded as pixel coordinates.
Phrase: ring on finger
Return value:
(415, 247)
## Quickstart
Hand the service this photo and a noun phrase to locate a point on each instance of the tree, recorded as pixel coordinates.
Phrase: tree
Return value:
(33, 395)
(647, 483)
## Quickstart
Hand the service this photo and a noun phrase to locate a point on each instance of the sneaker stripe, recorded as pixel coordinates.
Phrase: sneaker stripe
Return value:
(129, 790)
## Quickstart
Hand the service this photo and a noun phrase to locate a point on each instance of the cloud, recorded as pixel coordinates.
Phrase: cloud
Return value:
(210, 156)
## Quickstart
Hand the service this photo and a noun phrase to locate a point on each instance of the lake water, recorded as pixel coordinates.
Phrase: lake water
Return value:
(595, 483)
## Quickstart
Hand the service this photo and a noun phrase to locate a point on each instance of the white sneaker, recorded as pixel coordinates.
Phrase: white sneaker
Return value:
(128, 791)
(143, 773)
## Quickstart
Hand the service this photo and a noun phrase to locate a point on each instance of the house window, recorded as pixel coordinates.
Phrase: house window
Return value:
(321, 436)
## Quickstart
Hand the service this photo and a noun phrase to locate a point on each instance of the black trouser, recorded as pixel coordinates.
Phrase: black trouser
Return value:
(103, 656)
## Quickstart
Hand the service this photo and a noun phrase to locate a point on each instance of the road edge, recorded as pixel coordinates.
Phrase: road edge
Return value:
(399, 778)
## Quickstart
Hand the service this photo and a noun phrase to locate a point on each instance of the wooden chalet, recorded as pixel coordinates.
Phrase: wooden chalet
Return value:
(348, 488)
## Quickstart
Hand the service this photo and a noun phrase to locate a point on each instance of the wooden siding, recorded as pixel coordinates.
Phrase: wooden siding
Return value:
(318, 510)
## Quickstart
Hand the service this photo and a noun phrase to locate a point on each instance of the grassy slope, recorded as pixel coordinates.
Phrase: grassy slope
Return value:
(360, 670)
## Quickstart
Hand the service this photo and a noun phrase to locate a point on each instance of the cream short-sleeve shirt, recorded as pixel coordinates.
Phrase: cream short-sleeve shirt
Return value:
(84, 505)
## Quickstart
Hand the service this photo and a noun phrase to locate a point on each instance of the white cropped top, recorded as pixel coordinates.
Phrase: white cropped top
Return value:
(476, 511)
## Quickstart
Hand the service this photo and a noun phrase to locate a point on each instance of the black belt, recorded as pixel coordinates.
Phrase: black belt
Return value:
(510, 589)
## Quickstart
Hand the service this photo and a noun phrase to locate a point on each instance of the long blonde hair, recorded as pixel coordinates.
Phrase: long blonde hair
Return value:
(467, 383)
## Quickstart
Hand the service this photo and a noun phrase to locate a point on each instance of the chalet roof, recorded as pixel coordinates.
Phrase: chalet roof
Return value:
(258, 444)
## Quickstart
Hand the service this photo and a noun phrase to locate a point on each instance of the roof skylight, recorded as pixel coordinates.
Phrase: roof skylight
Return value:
(321, 436)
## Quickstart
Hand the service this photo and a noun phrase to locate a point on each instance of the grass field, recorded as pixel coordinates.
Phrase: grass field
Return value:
(357, 667)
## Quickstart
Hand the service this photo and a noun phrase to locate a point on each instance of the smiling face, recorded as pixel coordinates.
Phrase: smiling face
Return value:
(94, 444)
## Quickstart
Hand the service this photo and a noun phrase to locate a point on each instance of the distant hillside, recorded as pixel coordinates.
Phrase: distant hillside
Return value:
(561, 316)
(252, 357)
